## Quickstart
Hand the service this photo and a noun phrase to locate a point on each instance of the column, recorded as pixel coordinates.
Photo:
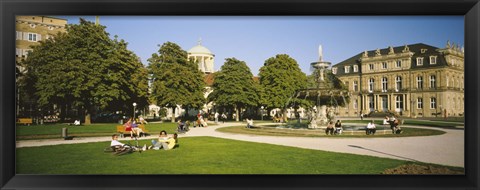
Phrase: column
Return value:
(404, 99)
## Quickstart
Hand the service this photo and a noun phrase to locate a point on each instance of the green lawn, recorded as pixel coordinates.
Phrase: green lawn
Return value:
(55, 130)
(417, 122)
(197, 155)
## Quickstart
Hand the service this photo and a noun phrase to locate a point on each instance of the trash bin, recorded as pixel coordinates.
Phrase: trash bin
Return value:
(65, 133)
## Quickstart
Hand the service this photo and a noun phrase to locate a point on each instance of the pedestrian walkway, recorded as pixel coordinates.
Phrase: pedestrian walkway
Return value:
(446, 149)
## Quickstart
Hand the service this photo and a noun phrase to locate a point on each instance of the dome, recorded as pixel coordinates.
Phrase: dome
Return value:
(199, 49)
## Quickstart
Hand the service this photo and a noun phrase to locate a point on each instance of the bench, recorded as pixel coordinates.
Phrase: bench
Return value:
(121, 130)
(25, 121)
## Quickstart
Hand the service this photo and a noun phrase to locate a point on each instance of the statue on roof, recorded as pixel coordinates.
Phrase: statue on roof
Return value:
(391, 50)
(406, 49)
(448, 44)
(365, 53)
(377, 52)
(199, 41)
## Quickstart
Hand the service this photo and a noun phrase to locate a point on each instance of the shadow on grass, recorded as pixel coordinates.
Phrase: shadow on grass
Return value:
(405, 158)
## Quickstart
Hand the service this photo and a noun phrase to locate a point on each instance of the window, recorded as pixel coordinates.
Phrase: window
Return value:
(399, 64)
(433, 84)
(347, 69)
(419, 103)
(399, 102)
(398, 83)
(384, 84)
(419, 61)
(370, 84)
(433, 60)
(334, 70)
(370, 66)
(433, 103)
(384, 65)
(19, 35)
(355, 68)
(355, 85)
(32, 37)
(419, 82)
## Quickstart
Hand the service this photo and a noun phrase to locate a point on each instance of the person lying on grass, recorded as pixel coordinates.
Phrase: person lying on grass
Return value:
(164, 141)
(120, 146)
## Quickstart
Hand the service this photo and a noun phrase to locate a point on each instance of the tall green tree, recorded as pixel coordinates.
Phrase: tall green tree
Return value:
(280, 78)
(234, 86)
(175, 79)
(85, 68)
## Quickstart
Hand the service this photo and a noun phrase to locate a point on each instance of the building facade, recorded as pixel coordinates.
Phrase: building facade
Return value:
(32, 29)
(416, 80)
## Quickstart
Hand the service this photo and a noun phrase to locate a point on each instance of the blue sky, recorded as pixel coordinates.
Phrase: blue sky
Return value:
(254, 39)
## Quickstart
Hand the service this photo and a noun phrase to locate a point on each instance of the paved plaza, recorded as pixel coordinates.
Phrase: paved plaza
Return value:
(446, 149)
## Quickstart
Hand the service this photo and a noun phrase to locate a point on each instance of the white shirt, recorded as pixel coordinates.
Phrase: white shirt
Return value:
(116, 143)
(250, 122)
(385, 122)
(371, 126)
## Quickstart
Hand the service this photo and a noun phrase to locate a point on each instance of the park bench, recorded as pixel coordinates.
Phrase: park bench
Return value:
(25, 121)
(121, 130)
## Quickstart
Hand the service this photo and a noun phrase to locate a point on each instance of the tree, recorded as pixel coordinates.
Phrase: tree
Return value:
(85, 68)
(234, 86)
(176, 80)
(280, 78)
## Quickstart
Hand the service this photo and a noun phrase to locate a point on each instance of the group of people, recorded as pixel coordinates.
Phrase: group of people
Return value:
(164, 142)
(132, 127)
(334, 129)
(394, 124)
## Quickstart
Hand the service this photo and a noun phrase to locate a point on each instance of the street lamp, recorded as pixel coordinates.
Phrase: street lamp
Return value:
(134, 105)
(262, 112)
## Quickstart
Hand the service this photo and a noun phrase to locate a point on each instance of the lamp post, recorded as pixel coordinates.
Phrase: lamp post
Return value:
(134, 105)
(261, 110)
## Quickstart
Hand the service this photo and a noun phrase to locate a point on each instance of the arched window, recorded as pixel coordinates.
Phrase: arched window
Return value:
(384, 84)
(398, 83)
(371, 81)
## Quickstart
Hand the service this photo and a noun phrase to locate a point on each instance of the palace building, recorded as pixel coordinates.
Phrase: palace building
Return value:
(416, 80)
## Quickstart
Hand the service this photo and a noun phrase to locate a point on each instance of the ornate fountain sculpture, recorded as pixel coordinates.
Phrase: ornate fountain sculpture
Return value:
(326, 93)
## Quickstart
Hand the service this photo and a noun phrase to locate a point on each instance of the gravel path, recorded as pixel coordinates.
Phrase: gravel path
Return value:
(446, 149)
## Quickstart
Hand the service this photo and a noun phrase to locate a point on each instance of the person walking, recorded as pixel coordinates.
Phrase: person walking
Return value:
(216, 117)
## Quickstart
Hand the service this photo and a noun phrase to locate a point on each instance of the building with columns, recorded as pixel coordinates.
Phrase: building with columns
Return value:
(203, 56)
(416, 80)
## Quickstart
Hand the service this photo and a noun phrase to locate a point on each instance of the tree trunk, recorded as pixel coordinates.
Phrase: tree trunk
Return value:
(236, 113)
(87, 117)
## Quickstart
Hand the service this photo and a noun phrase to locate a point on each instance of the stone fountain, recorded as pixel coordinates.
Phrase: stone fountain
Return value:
(327, 94)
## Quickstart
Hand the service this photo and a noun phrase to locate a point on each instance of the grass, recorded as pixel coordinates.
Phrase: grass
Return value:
(271, 131)
(197, 155)
(55, 130)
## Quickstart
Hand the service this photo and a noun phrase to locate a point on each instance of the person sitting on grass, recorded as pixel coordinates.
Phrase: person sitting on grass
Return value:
(371, 129)
(164, 141)
(120, 146)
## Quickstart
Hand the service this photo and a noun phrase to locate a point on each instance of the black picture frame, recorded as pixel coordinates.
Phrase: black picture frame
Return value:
(9, 8)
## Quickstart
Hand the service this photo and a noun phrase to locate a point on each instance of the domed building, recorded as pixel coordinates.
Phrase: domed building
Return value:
(203, 56)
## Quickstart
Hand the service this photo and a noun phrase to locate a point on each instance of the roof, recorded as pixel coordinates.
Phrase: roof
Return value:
(200, 50)
(414, 48)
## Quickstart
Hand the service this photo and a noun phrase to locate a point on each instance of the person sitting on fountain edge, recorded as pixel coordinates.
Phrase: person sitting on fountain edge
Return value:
(329, 128)
(249, 123)
(371, 129)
